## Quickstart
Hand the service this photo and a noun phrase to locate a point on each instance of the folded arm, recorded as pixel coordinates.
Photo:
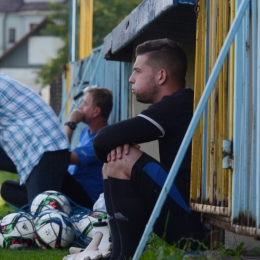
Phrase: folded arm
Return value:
(131, 131)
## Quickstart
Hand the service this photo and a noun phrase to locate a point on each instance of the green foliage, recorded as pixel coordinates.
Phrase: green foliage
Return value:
(107, 14)
(58, 24)
(237, 253)
(255, 251)
(158, 249)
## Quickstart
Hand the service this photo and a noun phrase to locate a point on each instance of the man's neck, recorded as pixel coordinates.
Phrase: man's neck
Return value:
(167, 92)
(95, 126)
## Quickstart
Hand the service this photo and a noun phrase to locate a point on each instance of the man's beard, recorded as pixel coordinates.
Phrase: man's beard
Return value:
(148, 96)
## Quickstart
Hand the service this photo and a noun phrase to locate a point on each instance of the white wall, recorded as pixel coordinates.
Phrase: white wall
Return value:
(27, 20)
(45, 1)
(25, 76)
(42, 48)
(13, 21)
(45, 93)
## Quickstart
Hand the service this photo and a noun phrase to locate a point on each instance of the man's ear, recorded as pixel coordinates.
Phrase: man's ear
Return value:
(97, 112)
(162, 76)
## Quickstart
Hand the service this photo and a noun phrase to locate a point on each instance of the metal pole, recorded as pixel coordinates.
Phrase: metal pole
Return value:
(73, 30)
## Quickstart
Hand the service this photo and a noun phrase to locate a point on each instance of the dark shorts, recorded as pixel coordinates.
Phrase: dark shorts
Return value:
(175, 220)
(16, 195)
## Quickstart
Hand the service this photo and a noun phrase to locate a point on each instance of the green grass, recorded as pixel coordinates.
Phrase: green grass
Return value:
(7, 176)
(39, 254)
(4, 209)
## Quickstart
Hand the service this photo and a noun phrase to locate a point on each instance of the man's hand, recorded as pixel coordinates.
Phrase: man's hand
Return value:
(76, 116)
(122, 168)
(118, 152)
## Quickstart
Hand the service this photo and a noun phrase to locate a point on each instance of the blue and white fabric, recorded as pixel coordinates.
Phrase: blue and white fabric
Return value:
(28, 126)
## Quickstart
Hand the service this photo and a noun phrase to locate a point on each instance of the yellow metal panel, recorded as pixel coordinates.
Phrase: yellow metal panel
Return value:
(220, 119)
(231, 102)
(212, 108)
(68, 86)
(198, 89)
(225, 117)
(85, 28)
(220, 109)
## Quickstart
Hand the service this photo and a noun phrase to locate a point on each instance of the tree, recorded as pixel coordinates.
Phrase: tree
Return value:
(58, 24)
(107, 14)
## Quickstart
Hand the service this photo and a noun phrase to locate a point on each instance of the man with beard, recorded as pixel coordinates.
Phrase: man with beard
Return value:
(132, 179)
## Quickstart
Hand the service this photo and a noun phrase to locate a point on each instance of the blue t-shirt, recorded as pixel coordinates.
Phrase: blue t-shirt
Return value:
(89, 172)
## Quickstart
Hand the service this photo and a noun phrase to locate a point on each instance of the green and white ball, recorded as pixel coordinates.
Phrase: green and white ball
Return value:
(16, 231)
(49, 200)
(53, 229)
(84, 224)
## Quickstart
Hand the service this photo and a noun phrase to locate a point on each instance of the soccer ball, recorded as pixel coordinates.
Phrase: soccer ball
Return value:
(53, 229)
(50, 200)
(16, 231)
(84, 224)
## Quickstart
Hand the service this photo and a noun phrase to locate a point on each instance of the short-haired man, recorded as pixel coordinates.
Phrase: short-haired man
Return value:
(85, 168)
(83, 183)
(133, 179)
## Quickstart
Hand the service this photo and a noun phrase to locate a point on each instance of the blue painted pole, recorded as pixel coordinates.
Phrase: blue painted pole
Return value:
(258, 128)
(254, 193)
(191, 129)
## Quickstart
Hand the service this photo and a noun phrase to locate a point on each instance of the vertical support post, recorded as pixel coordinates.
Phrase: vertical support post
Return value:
(85, 28)
(73, 31)
(198, 89)
(258, 128)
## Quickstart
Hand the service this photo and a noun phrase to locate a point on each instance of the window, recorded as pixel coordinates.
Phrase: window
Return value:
(12, 35)
(33, 25)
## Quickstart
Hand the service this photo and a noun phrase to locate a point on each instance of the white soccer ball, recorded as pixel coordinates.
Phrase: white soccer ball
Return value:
(50, 200)
(53, 229)
(16, 231)
(84, 224)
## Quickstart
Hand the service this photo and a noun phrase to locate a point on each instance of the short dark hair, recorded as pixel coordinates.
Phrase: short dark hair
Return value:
(102, 98)
(165, 54)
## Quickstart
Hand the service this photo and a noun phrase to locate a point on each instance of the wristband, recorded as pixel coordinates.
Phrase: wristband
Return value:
(71, 125)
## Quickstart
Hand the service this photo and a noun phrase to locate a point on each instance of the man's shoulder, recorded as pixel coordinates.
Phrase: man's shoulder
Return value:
(185, 95)
(180, 102)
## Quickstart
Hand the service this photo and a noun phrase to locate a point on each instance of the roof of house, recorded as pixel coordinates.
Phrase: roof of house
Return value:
(10, 5)
(17, 44)
(19, 5)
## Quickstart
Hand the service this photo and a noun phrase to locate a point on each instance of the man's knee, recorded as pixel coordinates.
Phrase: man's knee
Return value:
(104, 171)
(122, 168)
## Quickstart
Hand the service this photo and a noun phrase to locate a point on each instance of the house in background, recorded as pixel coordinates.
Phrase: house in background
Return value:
(19, 17)
(23, 49)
